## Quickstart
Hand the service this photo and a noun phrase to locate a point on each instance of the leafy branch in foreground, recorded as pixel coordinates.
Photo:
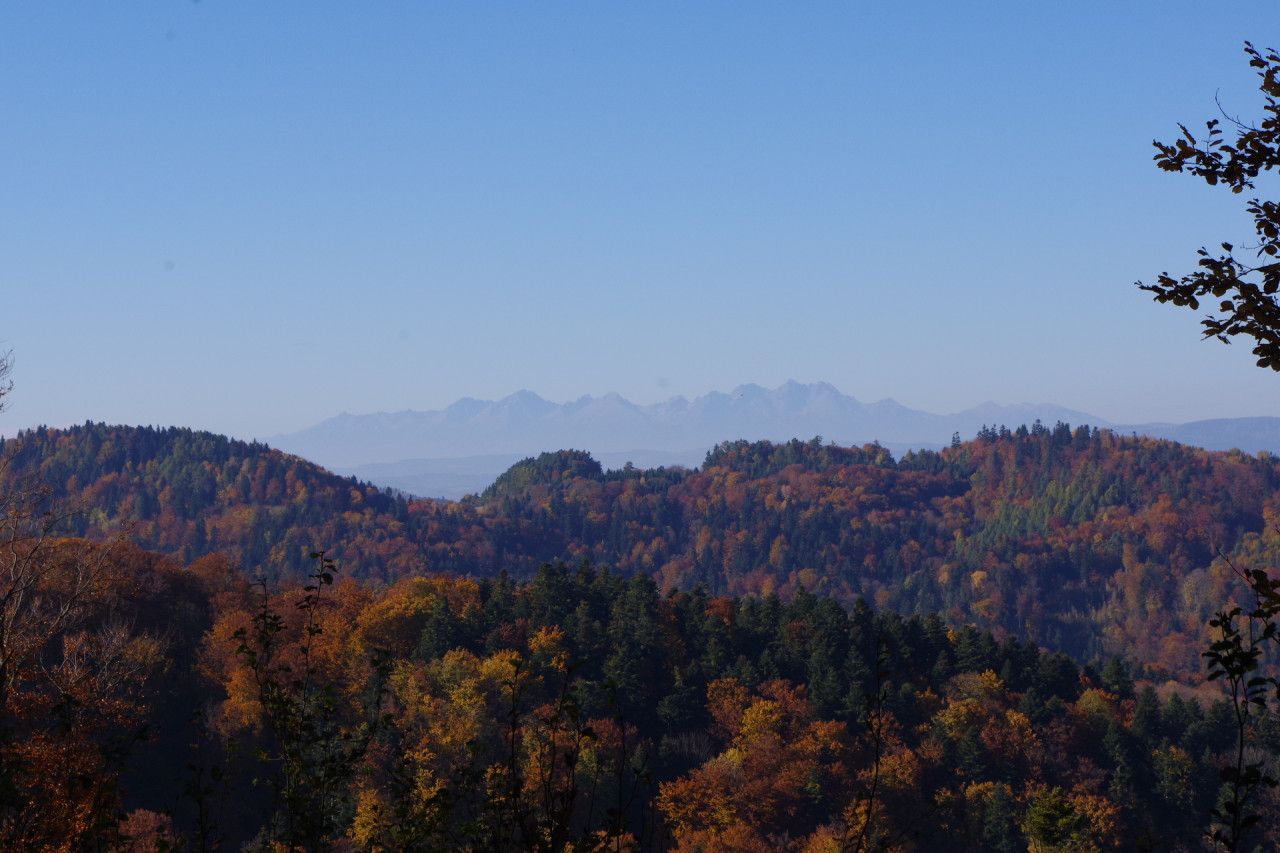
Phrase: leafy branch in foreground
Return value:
(1234, 658)
(1247, 291)
(862, 811)
(316, 752)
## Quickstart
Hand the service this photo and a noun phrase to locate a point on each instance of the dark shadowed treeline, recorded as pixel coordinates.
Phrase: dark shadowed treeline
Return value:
(579, 708)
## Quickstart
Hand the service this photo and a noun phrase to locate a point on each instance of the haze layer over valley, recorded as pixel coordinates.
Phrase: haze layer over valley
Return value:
(462, 448)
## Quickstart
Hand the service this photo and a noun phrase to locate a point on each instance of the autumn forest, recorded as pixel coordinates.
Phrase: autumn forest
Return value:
(211, 645)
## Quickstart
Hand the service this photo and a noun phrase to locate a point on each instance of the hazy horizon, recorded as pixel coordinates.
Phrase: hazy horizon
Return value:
(1100, 417)
(248, 218)
(579, 399)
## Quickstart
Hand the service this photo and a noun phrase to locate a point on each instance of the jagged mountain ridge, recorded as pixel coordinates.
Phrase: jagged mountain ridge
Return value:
(524, 423)
(461, 449)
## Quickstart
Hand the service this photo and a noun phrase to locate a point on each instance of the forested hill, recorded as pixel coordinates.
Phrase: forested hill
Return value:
(1080, 540)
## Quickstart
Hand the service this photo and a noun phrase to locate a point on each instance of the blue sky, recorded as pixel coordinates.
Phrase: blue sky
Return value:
(248, 217)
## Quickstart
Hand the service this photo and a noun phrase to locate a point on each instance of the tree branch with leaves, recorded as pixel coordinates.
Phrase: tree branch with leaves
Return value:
(1245, 288)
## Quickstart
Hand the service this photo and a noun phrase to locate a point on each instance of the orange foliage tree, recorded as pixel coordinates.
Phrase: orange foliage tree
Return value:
(71, 679)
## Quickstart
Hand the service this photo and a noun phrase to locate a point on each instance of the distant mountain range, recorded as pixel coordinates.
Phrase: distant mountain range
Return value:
(461, 449)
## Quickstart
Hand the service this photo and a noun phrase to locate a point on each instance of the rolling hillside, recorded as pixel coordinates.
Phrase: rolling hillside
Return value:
(1081, 540)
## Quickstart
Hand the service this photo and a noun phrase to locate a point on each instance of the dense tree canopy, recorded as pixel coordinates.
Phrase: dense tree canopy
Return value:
(1081, 540)
(582, 708)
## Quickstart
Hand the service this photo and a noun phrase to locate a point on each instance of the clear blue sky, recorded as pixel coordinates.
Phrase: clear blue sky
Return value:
(248, 217)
